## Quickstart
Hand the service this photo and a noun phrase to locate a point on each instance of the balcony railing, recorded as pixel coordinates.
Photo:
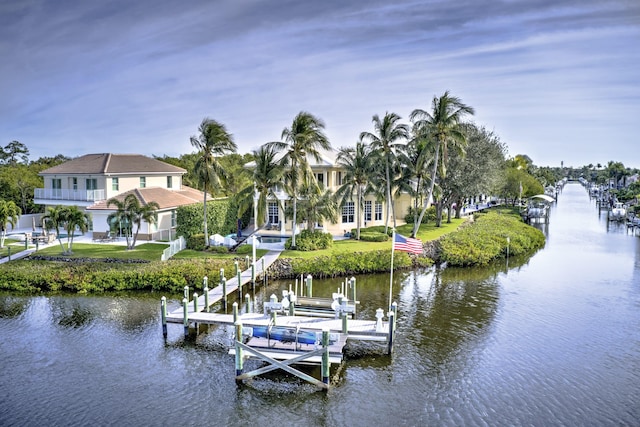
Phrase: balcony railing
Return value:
(65, 194)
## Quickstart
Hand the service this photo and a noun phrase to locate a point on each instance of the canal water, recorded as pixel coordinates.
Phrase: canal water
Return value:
(553, 339)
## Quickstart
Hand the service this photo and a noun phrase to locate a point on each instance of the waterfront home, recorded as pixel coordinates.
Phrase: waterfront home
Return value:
(331, 175)
(89, 181)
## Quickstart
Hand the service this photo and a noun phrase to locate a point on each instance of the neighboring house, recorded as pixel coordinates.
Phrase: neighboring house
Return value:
(330, 175)
(90, 180)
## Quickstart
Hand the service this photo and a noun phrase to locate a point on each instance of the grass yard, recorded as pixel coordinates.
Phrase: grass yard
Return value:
(146, 251)
(426, 233)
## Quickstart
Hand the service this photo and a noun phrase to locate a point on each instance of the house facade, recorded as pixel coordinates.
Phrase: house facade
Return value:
(89, 181)
(330, 175)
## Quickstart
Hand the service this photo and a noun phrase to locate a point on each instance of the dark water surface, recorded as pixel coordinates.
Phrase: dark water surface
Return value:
(550, 340)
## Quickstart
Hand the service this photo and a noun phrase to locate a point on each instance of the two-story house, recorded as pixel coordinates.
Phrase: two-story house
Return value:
(331, 175)
(91, 180)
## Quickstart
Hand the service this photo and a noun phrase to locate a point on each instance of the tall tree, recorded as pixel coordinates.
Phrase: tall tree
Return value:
(357, 165)
(15, 151)
(388, 135)
(267, 176)
(212, 142)
(302, 140)
(444, 125)
(9, 214)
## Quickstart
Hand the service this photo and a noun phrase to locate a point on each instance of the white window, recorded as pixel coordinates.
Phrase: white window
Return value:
(143, 182)
(348, 212)
(91, 183)
(320, 179)
(174, 217)
(74, 183)
(115, 184)
(367, 210)
(378, 211)
(272, 213)
(169, 182)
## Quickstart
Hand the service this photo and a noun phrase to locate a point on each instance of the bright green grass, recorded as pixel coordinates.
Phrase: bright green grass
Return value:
(189, 253)
(146, 251)
(426, 233)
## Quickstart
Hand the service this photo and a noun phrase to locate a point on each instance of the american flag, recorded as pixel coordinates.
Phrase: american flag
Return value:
(407, 244)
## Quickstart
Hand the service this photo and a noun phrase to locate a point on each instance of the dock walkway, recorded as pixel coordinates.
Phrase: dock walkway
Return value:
(216, 294)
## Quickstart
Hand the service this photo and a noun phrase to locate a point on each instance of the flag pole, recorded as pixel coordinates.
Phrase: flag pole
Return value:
(393, 246)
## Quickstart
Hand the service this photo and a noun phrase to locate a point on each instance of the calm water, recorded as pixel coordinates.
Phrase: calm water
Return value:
(551, 340)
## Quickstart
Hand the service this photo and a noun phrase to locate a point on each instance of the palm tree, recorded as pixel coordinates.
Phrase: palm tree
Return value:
(129, 212)
(68, 218)
(9, 214)
(317, 204)
(357, 165)
(267, 176)
(302, 140)
(146, 213)
(388, 135)
(123, 215)
(414, 177)
(213, 141)
(444, 126)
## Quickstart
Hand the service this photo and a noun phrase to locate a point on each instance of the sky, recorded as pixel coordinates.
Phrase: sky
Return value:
(557, 80)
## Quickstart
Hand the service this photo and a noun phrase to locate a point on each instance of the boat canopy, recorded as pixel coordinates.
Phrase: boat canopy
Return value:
(544, 197)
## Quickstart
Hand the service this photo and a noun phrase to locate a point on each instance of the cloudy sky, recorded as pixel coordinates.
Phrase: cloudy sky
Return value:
(557, 80)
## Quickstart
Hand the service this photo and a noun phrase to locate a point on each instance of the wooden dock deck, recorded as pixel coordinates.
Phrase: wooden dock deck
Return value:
(357, 329)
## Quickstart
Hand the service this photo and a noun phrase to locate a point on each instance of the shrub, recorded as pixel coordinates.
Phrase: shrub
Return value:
(486, 240)
(311, 240)
(197, 242)
(374, 236)
(350, 263)
(429, 215)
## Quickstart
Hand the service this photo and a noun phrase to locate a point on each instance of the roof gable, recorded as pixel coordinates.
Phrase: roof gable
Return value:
(113, 164)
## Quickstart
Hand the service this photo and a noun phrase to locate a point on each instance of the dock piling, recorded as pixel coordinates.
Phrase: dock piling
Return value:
(163, 312)
(239, 355)
(247, 308)
(206, 299)
(185, 314)
(195, 302)
(326, 365)
(391, 331)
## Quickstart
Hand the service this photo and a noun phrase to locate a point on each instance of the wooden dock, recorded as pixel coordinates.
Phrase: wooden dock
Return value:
(218, 292)
(290, 348)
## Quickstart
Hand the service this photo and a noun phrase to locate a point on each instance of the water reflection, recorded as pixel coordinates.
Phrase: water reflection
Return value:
(11, 306)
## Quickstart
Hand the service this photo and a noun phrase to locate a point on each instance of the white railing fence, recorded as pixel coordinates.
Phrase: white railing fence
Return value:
(175, 246)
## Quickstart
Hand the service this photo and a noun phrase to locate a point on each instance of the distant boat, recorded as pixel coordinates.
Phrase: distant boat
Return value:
(618, 212)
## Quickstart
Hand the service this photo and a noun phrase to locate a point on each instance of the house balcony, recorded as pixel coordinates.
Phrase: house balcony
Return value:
(65, 196)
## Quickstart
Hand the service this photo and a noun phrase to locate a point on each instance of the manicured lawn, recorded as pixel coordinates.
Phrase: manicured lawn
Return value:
(153, 251)
(426, 233)
(146, 251)
(189, 253)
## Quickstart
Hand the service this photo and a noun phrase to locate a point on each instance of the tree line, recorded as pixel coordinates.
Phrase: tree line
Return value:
(439, 157)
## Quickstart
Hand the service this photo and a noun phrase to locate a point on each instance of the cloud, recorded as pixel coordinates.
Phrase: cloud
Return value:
(552, 79)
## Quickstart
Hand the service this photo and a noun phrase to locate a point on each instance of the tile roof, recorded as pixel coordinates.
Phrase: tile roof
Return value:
(107, 163)
(167, 199)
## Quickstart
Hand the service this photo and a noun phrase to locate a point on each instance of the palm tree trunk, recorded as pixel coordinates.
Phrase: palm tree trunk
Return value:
(386, 220)
(430, 194)
(359, 213)
(206, 231)
(293, 233)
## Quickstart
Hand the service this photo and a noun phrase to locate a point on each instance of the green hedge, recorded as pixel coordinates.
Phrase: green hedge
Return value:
(486, 240)
(350, 263)
(311, 240)
(368, 236)
(170, 276)
(222, 217)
